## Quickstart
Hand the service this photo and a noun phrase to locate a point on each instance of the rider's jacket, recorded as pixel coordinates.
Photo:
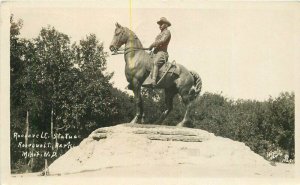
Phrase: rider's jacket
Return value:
(162, 41)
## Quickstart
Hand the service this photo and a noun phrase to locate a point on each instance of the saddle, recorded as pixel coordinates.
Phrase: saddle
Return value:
(167, 68)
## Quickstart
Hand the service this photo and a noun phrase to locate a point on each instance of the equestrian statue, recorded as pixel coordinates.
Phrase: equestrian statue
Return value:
(152, 70)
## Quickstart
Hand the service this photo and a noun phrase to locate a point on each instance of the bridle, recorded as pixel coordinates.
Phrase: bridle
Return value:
(118, 39)
(126, 50)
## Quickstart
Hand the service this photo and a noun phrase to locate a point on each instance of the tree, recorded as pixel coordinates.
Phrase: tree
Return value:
(93, 99)
(17, 67)
(266, 127)
(59, 87)
(16, 88)
(124, 107)
(51, 64)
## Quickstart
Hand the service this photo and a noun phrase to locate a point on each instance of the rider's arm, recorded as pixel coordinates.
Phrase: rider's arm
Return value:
(166, 35)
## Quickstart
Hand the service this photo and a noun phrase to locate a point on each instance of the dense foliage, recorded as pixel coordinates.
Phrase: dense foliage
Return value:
(268, 127)
(58, 88)
(61, 87)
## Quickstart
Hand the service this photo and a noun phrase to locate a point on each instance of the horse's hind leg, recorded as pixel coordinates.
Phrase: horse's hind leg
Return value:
(169, 95)
(186, 98)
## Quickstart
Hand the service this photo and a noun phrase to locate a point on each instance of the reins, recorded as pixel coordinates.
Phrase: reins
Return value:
(128, 50)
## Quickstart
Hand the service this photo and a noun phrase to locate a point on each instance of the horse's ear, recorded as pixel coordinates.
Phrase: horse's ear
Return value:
(118, 25)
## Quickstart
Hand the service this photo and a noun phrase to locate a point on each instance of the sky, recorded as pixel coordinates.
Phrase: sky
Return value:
(241, 50)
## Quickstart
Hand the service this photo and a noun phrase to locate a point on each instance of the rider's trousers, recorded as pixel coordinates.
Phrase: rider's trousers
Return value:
(159, 59)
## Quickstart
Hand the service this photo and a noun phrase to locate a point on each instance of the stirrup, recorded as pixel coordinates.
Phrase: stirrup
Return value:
(153, 83)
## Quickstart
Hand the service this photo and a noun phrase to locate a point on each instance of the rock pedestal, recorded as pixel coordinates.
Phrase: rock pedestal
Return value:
(153, 150)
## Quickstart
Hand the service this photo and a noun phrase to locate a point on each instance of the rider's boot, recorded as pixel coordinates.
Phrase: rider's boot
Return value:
(154, 76)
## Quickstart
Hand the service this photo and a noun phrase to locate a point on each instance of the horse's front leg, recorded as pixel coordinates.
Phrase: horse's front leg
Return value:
(138, 102)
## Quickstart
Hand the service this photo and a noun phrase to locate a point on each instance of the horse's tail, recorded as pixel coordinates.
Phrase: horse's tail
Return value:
(196, 88)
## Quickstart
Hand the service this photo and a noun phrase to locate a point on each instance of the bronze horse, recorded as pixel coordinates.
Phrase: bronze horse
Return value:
(139, 63)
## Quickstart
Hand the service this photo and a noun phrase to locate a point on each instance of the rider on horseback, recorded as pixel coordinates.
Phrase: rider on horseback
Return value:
(160, 48)
(186, 83)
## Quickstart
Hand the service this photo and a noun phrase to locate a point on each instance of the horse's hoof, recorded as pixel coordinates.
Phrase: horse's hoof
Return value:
(185, 124)
(181, 124)
(135, 120)
(129, 87)
(157, 123)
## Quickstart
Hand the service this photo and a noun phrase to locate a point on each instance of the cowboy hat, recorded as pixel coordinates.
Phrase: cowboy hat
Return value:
(163, 20)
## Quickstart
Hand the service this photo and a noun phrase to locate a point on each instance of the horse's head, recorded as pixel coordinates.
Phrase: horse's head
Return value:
(120, 38)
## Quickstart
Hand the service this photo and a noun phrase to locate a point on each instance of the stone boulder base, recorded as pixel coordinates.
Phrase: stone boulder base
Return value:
(162, 151)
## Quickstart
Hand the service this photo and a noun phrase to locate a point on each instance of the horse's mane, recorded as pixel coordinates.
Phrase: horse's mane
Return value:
(131, 32)
(134, 35)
